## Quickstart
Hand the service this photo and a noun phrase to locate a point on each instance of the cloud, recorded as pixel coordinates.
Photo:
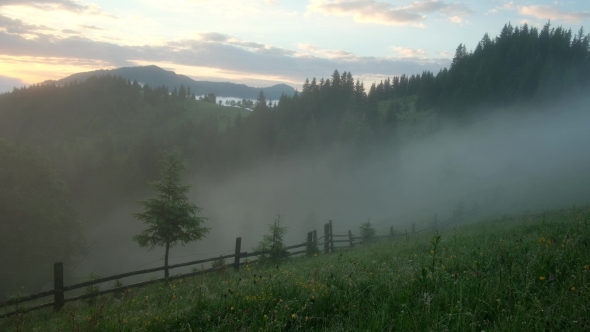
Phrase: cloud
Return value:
(213, 36)
(407, 52)
(372, 11)
(220, 52)
(456, 19)
(554, 13)
(312, 50)
(15, 26)
(66, 5)
(90, 27)
(58, 4)
(505, 6)
(216, 37)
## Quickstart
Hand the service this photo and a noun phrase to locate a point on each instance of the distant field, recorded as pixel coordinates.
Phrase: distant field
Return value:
(199, 110)
(518, 273)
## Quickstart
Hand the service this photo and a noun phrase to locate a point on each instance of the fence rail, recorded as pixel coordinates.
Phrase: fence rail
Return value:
(312, 241)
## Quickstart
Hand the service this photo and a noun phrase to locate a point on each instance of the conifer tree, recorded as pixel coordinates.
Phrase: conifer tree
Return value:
(367, 231)
(170, 217)
(260, 102)
(272, 243)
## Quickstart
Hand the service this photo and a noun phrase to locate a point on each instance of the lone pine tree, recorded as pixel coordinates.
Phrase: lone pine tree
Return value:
(170, 217)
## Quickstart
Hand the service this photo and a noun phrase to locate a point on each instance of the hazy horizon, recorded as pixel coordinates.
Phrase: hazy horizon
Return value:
(252, 43)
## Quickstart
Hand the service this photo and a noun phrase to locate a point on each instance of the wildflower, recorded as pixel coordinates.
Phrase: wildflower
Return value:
(315, 255)
(542, 278)
(306, 318)
(573, 289)
(265, 317)
(541, 240)
(293, 316)
(232, 308)
(587, 267)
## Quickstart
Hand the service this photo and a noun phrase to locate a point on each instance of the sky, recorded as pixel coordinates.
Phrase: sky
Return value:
(255, 42)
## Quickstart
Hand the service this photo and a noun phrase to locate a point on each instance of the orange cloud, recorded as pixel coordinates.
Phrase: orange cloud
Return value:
(32, 70)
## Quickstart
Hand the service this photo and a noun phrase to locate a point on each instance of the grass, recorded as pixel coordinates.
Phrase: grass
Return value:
(197, 111)
(518, 273)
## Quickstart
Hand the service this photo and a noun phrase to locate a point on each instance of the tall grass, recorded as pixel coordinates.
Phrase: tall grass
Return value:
(514, 274)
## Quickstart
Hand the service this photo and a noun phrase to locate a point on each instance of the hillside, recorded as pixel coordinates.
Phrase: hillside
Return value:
(156, 76)
(498, 275)
(105, 126)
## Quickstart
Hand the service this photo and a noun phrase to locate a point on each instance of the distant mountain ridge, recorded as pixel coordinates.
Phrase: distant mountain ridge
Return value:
(156, 76)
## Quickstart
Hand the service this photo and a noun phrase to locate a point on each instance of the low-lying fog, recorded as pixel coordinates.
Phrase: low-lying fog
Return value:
(503, 162)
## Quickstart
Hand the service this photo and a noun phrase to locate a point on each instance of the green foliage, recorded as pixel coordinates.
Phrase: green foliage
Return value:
(490, 276)
(170, 217)
(273, 243)
(367, 231)
(38, 225)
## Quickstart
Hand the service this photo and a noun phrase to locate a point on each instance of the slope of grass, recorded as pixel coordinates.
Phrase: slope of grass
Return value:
(518, 273)
(196, 111)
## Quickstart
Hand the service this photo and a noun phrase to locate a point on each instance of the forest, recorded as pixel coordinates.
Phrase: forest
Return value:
(70, 154)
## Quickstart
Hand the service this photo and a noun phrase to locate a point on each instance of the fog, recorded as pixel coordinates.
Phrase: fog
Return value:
(510, 161)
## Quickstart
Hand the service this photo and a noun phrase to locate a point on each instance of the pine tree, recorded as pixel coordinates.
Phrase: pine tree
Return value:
(170, 217)
(272, 243)
(367, 231)
(182, 93)
(260, 102)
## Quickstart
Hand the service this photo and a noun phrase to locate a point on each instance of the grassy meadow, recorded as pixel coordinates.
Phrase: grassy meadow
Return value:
(517, 273)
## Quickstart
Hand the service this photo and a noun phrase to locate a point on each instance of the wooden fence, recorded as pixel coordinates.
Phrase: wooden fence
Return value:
(59, 289)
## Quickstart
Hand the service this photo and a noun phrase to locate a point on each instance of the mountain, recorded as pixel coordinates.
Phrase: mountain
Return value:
(156, 76)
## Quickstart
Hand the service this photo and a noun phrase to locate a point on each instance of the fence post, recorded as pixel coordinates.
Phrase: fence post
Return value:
(350, 238)
(58, 285)
(315, 238)
(413, 228)
(237, 253)
(331, 237)
(309, 242)
(326, 238)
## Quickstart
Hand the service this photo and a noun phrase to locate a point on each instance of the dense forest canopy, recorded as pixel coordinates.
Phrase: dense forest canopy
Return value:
(103, 136)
